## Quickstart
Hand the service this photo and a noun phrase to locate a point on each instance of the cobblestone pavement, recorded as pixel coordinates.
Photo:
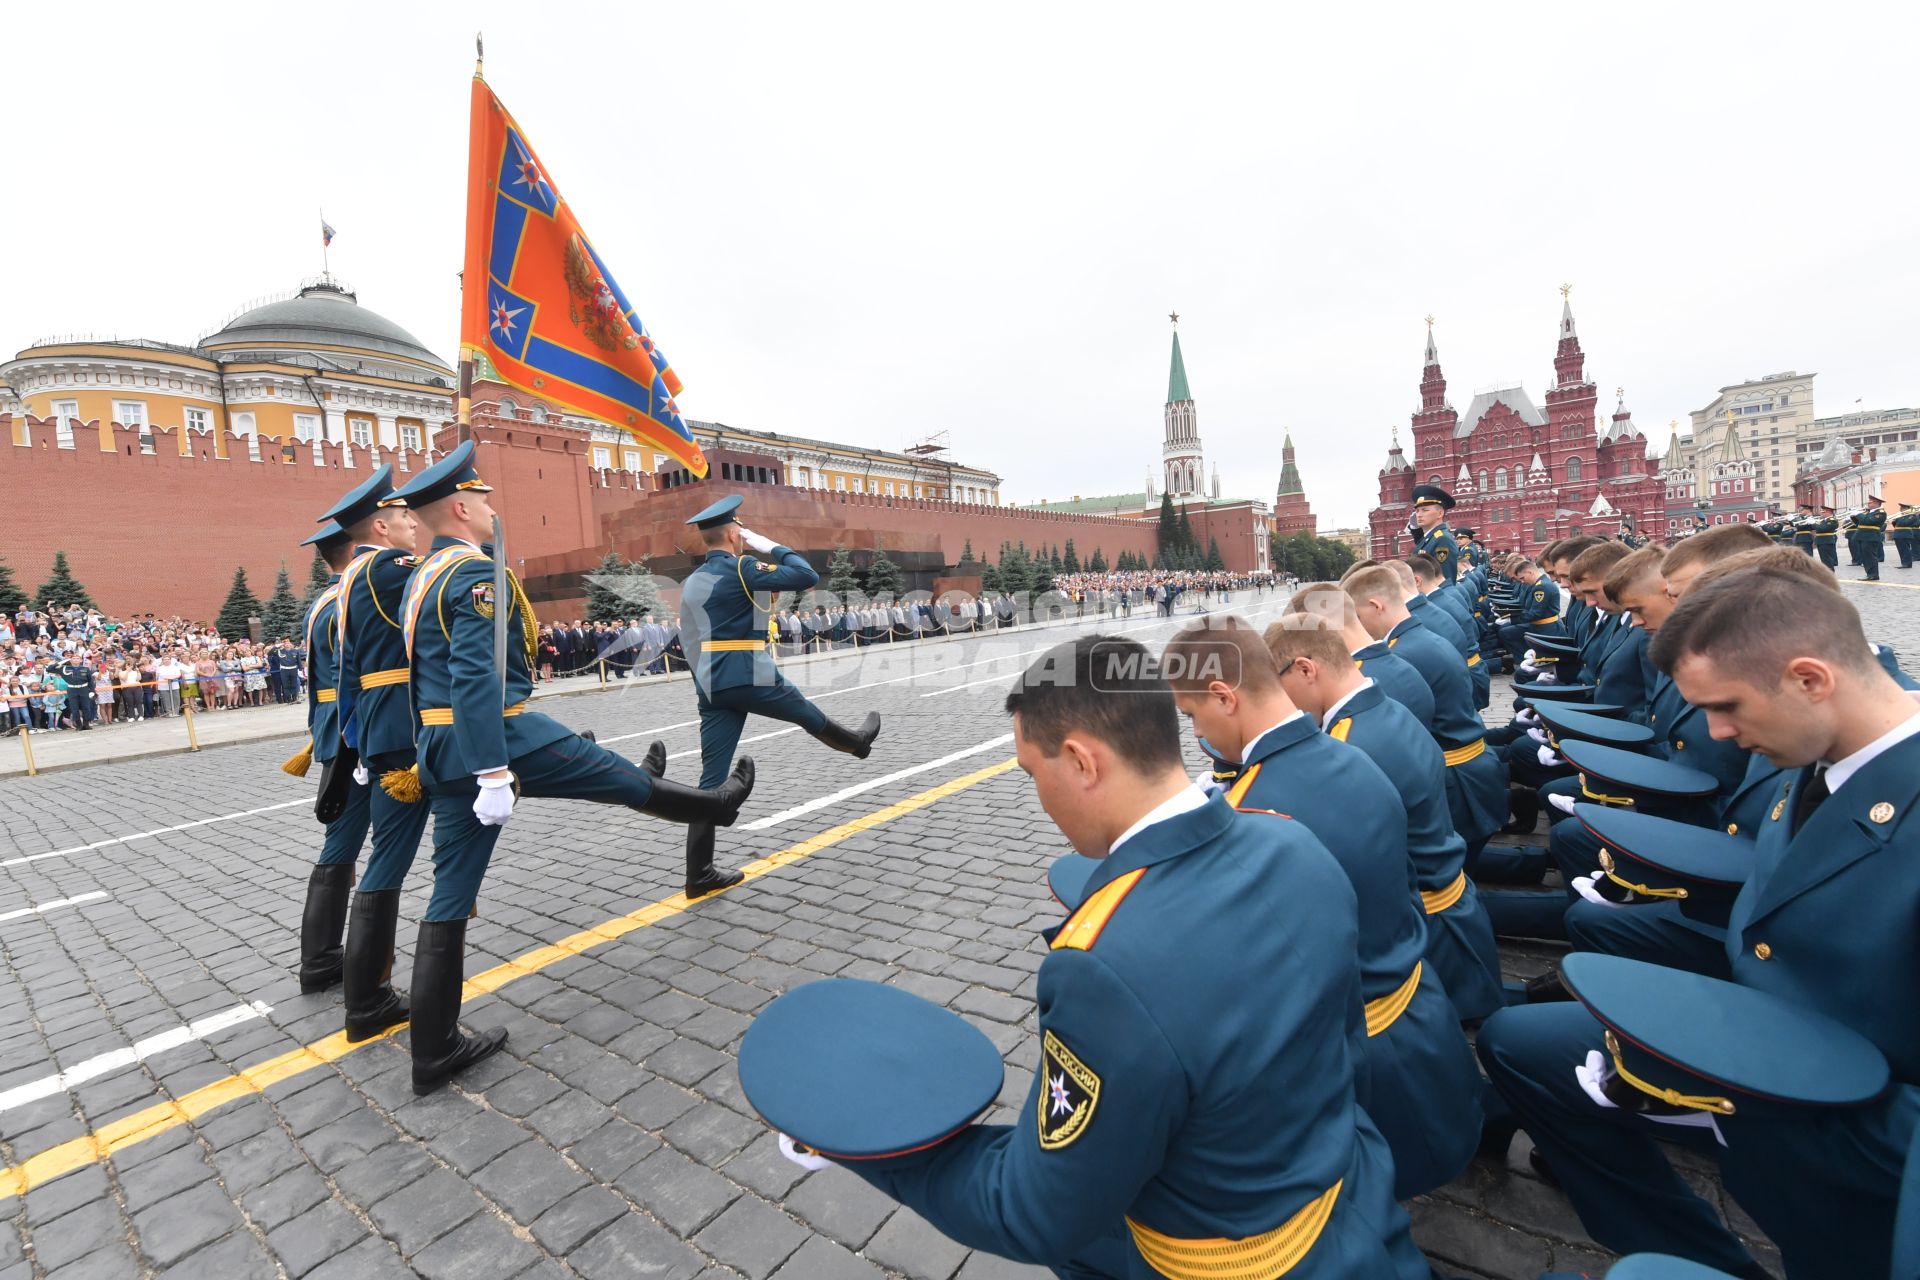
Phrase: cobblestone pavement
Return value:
(172, 1102)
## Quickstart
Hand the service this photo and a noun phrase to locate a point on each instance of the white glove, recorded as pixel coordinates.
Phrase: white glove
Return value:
(756, 541)
(1549, 758)
(1583, 885)
(1546, 677)
(1527, 671)
(800, 1155)
(1527, 659)
(1539, 736)
(1204, 780)
(360, 774)
(494, 805)
(1526, 716)
(1563, 803)
(1592, 1075)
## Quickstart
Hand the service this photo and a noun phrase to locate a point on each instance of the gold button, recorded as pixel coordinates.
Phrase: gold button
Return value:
(1733, 828)
(1681, 745)
(1762, 951)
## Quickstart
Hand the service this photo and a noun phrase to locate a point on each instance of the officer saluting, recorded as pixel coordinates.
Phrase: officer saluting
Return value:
(725, 604)
(1430, 506)
(480, 748)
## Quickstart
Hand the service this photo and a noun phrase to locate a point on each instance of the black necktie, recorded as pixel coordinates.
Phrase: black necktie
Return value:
(1813, 792)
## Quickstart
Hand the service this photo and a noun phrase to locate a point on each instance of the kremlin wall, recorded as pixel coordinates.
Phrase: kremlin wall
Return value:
(160, 468)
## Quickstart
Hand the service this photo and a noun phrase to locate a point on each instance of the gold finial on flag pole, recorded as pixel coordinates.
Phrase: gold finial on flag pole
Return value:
(479, 53)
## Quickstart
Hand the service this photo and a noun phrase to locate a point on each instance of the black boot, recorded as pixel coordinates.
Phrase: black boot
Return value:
(702, 879)
(590, 735)
(320, 924)
(1523, 810)
(677, 803)
(439, 1047)
(372, 1003)
(857, 743)
(654, 763)
(1547, 988)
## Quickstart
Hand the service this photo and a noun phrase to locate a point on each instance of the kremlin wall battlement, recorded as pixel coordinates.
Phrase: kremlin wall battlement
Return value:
(162, 531)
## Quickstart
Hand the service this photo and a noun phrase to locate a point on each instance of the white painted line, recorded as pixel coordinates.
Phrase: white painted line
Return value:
(758, 737)
(157, 831)
(821, 802)
(955, 688)
(95, 1067)
(39, 908)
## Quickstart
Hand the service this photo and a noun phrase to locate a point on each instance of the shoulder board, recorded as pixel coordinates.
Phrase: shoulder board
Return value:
(408, 561)
(1084, 926)
(1341, 729)
(1239, 791)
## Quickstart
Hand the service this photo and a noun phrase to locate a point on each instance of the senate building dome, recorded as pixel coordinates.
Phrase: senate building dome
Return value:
(324, 317)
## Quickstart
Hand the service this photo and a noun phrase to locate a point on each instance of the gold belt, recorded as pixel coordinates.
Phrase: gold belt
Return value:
(1473, 659)
(731, 646)
(444, 715)
(1386, 1010)
(325, 695)
(1262, 1257)
(378, 679)
(1541, 622)
(1438, 900)
(1460, 755)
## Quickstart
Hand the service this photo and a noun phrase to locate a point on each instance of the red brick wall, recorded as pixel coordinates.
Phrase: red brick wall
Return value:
(160, 532)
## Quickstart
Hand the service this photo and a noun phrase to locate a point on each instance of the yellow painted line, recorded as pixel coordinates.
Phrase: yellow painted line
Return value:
(151, 1122)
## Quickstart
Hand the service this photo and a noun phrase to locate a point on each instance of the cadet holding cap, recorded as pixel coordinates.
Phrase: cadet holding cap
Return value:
(1827, 922)
(725, 604)
(1194, 1097)
(480, 747)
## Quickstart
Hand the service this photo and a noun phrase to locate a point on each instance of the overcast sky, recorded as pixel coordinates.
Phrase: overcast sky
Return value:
(874, 223)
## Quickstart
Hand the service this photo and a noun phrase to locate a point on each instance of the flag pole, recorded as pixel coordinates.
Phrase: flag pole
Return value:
(326, 266)
(463, 405)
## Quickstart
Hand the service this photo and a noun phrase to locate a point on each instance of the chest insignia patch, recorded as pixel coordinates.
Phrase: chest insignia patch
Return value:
(1069, 1091)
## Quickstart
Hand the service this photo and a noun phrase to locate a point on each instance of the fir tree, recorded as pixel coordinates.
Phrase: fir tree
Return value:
(1069, 562)
(319, 577)
(281, 615)
(842, 581)
(883, 576)
(1167, 536)
(241, 605)
(61, 588)
(1054, 563)
(12, 598)
(989, 579)
(1016, 576)
(966, 552)
(1186, 541)
(1215, 561)
(1041, 581)
(1099, 562)
(604, 602)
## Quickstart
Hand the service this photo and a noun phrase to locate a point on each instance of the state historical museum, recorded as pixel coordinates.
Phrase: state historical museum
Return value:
(1523, 476)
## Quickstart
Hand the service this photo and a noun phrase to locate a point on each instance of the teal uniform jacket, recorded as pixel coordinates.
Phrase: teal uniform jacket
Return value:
(1460, 943)
(1421, 1086)
(323, 719)
(1476, 555)
(376, 714)
(1438, 542)
(1398, 680)
(718, 606)
(347, 833)
(450, 610)
(1476, 778)
(1686, 738)
(1905, 529)
(1457, 599)
(1581, 620)
(1442, 623)
(1619, 668)
(1195, 1078)
(1539, 605)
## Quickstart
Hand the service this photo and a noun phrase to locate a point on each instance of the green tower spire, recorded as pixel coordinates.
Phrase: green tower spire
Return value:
(1289, 474)
(1177, 379)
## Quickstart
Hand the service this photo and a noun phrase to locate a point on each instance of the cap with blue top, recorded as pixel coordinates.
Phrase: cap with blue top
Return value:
(1613, 776)
(1553, 692)
(1574, 722)
(860, 1071)
(452, 474)
(363, 499)
(721, 512)
(1679, 1041)
(1432, 495)
(1649, 858)
(1549, 649)
(325, 536)
(1067, 879)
